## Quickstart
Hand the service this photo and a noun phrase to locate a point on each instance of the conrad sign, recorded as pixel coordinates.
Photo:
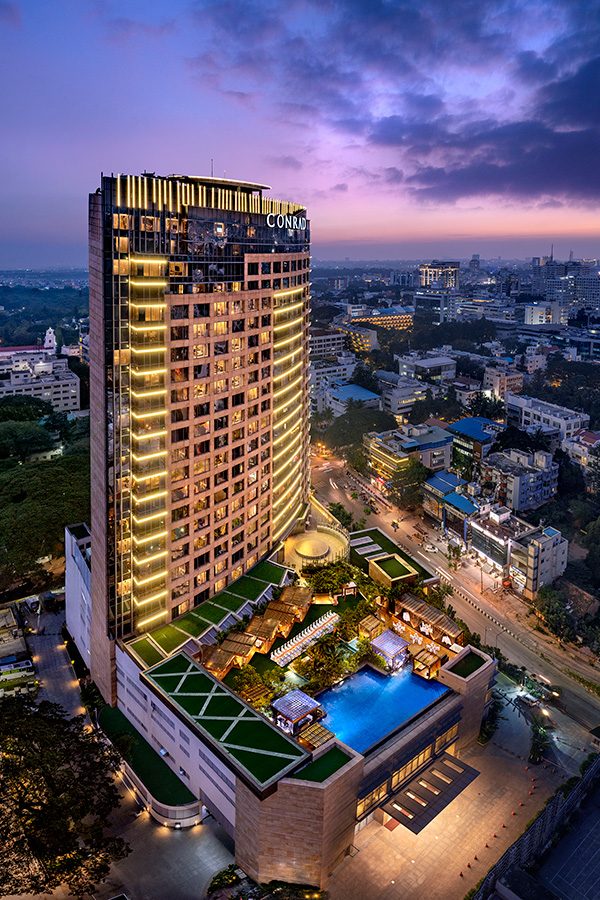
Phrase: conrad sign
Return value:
(281, 221)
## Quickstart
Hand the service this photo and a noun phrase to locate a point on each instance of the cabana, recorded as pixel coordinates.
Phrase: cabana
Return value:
(285, 620)
(392, 647)
(265, 630)
(426, 664)
(242, 645)
(428, 620)
(294, 710)
(299, 598)
(370, 627)
(217, 661)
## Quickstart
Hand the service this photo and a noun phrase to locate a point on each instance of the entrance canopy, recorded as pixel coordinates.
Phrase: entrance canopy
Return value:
(417, 803)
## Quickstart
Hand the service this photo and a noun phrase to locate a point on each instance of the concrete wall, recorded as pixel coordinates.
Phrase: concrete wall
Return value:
(474, 691)
(206, 776)
(301, 831)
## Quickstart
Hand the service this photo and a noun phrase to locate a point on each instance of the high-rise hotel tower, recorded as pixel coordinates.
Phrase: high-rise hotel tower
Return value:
(199, 300)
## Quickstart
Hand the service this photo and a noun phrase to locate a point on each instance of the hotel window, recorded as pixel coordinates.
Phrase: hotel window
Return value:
(400, 775)
(372, 798)
(446, 738)
(253, 268)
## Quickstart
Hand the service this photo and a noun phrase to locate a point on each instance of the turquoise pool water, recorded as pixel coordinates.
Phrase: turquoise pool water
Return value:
(368, 705)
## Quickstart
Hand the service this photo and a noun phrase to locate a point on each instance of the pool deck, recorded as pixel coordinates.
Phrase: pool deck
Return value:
(369, 706)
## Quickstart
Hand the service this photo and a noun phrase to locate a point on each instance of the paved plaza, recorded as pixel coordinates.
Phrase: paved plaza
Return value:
(394, 865)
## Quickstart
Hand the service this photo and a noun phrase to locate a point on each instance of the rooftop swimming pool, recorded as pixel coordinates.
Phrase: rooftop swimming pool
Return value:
(369, 705)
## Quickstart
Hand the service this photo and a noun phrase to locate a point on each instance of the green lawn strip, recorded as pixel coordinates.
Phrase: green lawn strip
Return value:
(9, 684)
(212, 613)
(320, 769)
(392, 567)
(177, 664)
(268, 571)
(159, 779)
(168, 637)
(467, 665)
(248, 588)
(261, 766)
(230, 602)
(387, 546)
(147, 652)
(191, 624)
(255, 732)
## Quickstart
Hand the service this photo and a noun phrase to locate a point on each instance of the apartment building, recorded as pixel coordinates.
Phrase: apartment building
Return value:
(430, 367)
(326, 342)
(361, 340)
(524, 411)
(389, 451)
(500, 380)
(439, 273)
(522, 481)
(398, 394)
(38, 373)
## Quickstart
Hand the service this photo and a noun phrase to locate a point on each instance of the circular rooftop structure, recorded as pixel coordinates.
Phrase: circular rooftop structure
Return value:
(315, 546)
(312, 547)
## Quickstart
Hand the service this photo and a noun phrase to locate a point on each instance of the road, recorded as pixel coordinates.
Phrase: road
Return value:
(488, 614)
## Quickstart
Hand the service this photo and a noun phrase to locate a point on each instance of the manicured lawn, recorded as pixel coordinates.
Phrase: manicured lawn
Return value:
(387, 546)
(168, 638)
(320, 769)
(228, 601)
(392, 567)
(467, 665)
(248, 588)
(161, 781)
(268, 571)
(147, 651)
(261, 749)
(212, 613)
(192, 624)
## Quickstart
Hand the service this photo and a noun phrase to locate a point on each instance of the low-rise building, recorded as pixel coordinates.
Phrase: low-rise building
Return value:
(389, 451)
(466, 389)
(447, 500)
(397, 317)
(399, 394)
(472, 440)
(38, 373)
(499, 380)
(579, 448)
(531, 557)
(428, 367)
(326, 342)
(555, 313)
(521, 481)
(523, 411)
(362, 340)
(325, 371)
(339, 396)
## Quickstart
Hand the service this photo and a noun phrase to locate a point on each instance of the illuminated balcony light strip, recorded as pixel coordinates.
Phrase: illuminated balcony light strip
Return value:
(139, 582)
(288, 506)
(288, 447)
(148, 559)
(285, 309)
(155, 392)
(287, 387)
(139, 478)
(150, 304)
(146, 456)
(148, 415)
(289, 371)
(139, 541)
(290, 340)
(149, 435)
(288, 293)
(295, 321)
(278, 422)
(156, 326)
(148, 350)
(149, 282)
(141, 520)
(144, 498)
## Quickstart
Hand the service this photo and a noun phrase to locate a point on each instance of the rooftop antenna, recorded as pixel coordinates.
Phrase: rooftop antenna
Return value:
(551, 252)
(212, 167)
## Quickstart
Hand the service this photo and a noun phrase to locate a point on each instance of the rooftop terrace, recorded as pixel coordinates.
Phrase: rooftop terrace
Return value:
(247, 741)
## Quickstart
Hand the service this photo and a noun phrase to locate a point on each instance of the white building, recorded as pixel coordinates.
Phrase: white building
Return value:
(428, 367)
(523, 411)
(578, 448)
(399, 394)
(500, 380)
(554, 313)
(325, 342)
(39, 374)
(338, 397)
(78, 610)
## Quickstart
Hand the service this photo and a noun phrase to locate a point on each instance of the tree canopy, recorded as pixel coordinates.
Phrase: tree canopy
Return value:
(57, 790)
(348, 429)
(23, 409)
(405, 484)
(37, 500)
(22, 439)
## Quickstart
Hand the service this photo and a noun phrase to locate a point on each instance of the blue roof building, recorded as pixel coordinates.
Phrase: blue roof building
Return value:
(340, 395)
(445, 501)
(472, 439)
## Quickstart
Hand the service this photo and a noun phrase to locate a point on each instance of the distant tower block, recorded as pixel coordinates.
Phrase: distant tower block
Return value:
(50, 340)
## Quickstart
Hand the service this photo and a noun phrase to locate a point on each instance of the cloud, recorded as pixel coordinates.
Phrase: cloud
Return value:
(340, 188)
(285, 162)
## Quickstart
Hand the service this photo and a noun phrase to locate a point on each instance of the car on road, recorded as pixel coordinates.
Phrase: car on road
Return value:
(431, 548)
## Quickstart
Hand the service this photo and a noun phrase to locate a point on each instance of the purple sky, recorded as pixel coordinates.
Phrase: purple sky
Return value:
(408, 127)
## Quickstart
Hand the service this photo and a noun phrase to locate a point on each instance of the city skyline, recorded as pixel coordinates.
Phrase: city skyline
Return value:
(409, 133)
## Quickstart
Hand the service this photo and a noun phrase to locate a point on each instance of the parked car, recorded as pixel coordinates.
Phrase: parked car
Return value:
(431, 548)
